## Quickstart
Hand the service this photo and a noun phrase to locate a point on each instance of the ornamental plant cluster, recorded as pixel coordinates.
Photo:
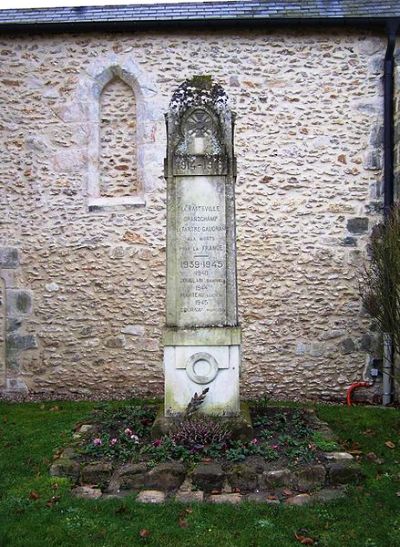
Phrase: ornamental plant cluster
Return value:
(123, 434)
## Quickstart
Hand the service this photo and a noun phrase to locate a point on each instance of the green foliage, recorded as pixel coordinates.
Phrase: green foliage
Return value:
(380, 287)
(29, 433)
(324, 444)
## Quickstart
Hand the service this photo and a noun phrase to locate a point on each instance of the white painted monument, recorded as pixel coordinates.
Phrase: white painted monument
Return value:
(202, 337)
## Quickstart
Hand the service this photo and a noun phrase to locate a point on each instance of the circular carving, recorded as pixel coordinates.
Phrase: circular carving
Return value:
(202, 368)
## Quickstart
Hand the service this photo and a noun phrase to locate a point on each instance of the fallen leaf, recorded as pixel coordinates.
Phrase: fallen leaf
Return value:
(183, 523)
(374, 458)
(33, 495)
(144, 533)
(215, 491)
(52, 501)
(304, 540)
(287, 493)
(272, 497)
(55, 408)
(369, 432)
(398, 494)
(355, 452)
(55, 486)
(390, 444)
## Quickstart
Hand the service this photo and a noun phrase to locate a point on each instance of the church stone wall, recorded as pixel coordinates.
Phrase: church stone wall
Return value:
(308, 142)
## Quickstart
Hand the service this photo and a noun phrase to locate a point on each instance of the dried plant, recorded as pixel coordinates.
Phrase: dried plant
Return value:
(195, 402)
(380, 286)
(199, 432)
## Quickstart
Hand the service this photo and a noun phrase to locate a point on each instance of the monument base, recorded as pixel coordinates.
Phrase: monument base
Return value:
(195, 359)
(240, 426)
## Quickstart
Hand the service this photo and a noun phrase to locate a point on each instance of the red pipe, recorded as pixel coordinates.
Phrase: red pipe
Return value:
(354, 386)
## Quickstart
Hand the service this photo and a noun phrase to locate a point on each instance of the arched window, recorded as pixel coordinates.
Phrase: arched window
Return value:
(123, 121)
(118, 141)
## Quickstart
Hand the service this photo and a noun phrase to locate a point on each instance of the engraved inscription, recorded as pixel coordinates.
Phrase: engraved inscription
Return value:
(201, 251)
(200, 165)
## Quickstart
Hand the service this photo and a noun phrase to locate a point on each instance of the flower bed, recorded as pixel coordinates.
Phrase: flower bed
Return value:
(291, 451)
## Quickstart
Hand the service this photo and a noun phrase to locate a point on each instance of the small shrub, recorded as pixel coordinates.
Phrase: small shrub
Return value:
(200, 432)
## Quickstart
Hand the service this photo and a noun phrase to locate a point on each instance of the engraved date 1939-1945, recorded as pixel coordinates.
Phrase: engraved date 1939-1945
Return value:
(202, 264)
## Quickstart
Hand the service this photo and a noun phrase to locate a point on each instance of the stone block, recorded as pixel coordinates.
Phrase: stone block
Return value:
(344, 473)
(17, 342)
(151, 496)
(132, 476)
(338, 457)
(9, 257)
(19, 302)
(225, 498)
(243, 477)
(328, 494)
(347, 346)
(97, 473)
(310, 478)
(166, 476)
(86, 492)
(277, 479)
(13, 324)
(300, 499)
(358, 225)
(208, 477)
(196, 496)
(261, 497)
(65, 467)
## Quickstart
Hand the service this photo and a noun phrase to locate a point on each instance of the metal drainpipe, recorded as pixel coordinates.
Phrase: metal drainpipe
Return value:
(388, 187)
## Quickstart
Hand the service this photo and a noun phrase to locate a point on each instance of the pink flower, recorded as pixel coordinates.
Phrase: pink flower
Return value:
(113, 441)
(254, 441)
(157, 442)
(128, 432)
(275, 446)
(97, 442)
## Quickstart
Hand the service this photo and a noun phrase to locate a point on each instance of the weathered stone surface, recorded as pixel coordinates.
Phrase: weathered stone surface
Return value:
(9, 257)
(225, 498)
(243, 477)
(347, 346)
(86, 492)
(68, 453)
(310, 478)
(300, 499)
(357, 225)
(96, 473)
(19, 302)
(261, 497)
(86, 428)
(338, 457)
(151, 496)
(196, 496)
(208, 477)
(344, 473)
(278, 479)
(132, 476)
(65, 468)
(166, 476)
(328, 494)
(303, 224)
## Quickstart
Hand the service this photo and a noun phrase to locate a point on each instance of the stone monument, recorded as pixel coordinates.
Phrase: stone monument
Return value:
(202, 337)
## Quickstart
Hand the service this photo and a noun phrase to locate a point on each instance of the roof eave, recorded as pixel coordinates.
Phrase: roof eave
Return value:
(218, 22)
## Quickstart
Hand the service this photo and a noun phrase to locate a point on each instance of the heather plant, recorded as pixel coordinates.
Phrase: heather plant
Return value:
(200, 432)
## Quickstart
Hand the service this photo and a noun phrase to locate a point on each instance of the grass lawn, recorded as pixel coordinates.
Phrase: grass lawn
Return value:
(38, 510)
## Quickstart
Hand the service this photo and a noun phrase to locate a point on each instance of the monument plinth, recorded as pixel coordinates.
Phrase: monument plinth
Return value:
(202, 337)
